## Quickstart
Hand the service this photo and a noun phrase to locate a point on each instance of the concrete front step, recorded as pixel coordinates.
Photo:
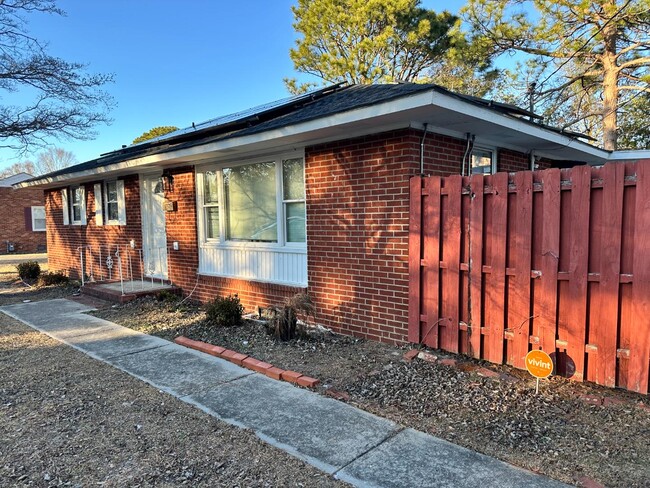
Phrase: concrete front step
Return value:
(112, 291)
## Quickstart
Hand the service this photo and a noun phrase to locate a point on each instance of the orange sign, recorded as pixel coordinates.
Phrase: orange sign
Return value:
(539, 364)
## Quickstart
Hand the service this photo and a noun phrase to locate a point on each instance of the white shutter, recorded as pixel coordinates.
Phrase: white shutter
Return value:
(83, 205)
(121, 203)
(99, 214)
(66, 207)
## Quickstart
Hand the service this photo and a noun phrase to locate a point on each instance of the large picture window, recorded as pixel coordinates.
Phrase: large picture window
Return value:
(250, 202)
(256, 202)
(251, 219)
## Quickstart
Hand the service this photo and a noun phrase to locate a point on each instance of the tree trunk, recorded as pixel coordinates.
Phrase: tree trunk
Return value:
(610, 87)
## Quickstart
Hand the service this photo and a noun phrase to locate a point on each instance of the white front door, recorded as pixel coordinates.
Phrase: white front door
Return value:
(154, 234)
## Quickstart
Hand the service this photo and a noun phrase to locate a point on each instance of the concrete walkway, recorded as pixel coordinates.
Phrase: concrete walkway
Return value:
(354, 446)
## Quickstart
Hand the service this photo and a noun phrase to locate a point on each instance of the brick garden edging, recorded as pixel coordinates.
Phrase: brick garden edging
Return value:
(249, 362)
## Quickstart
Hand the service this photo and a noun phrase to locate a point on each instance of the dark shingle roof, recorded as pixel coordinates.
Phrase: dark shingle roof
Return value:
(320, 103)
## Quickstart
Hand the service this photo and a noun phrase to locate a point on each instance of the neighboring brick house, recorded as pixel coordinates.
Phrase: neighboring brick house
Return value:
(22, 217)
(310, 192)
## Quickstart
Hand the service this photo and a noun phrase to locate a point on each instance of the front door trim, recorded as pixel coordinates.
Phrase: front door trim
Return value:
(147, 209)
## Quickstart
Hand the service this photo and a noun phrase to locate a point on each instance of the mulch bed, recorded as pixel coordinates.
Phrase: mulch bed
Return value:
(576, 433)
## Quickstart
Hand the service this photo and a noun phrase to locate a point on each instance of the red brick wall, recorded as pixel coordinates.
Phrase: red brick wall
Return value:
(63, 241)
(357, 230)
(512, 161)
(13, 219)
(357, 227)
(183, 264)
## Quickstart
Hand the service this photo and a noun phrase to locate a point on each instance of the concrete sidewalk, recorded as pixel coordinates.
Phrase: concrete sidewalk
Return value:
(354, 446)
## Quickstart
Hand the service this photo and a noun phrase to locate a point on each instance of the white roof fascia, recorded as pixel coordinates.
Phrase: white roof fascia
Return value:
(630, 155)
(311, 127)
(14, 179)
(509, 122)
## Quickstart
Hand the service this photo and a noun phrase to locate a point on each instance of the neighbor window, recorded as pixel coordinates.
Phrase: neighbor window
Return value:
(483, 161)
(38, 219)
(258, 202)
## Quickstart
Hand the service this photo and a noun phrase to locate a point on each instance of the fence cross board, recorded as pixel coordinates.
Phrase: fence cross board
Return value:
(557, 260)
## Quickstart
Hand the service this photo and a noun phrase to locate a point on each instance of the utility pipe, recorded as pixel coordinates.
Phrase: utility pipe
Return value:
(422, 150)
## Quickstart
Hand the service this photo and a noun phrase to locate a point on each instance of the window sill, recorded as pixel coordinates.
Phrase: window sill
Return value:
(256, 246)
(252, 280)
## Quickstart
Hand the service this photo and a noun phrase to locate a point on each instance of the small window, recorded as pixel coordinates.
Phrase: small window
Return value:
(483, 161)
(114, 202)
(78, 205)
(38, 219)
(293, 179)
(112, 205)
(211, 204)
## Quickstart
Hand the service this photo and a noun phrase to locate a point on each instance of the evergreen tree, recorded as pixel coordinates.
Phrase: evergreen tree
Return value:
(368, 41)
(585, 60)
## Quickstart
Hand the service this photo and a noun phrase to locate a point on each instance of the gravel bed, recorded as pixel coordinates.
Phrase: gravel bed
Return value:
(558, 432)
(69, 420)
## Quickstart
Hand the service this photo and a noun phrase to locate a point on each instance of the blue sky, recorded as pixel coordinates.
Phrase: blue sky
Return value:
(175, 62)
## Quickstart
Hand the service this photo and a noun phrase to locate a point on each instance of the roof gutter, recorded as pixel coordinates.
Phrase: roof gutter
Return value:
(339, 125)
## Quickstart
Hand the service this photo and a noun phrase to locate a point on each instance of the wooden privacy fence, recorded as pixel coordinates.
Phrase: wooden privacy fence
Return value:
(557, 260)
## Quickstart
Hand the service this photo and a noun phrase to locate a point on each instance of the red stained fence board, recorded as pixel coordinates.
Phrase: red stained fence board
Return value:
(415, 257)
(475, 265)
(588, 302)
(519, 315)
(431, 272)
(637, 373)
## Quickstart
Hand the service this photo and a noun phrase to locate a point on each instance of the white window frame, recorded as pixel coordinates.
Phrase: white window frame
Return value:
(492, 151)
(65, 204)
(202, 205)
(121, 203)
(99, 210)
(81, 205)
(295, 200)
(34, 229)
(280, 204)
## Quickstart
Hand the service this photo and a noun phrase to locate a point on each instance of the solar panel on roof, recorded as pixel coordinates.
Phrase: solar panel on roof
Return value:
(238, 116)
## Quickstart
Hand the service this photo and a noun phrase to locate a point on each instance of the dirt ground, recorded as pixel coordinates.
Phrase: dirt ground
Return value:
(69, 420)
(572, 432)
(576, 433)
(8, 262)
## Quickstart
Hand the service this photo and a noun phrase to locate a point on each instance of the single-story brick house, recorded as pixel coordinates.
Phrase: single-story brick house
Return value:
(310, 192)
(22, 217)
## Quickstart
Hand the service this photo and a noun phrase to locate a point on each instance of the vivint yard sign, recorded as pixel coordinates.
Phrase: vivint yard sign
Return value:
(540, 365)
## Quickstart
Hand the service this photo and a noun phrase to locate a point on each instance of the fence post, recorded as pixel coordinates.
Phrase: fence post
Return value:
(415, 235)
